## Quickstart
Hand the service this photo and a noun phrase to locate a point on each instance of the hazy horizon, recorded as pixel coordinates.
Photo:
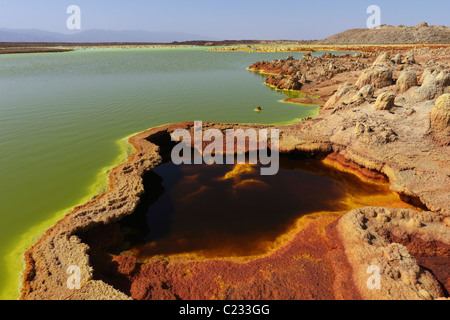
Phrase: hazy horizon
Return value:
(215, 20)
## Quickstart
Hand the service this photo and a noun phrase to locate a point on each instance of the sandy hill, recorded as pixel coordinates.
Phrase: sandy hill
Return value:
(386, 34)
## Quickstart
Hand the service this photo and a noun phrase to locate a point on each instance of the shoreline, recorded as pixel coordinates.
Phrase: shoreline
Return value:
(305, 99)
(353, 48)
(324, 134)
(217, 46)
(32, 235)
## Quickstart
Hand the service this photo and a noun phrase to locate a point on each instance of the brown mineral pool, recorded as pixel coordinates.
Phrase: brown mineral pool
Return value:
(233, 211)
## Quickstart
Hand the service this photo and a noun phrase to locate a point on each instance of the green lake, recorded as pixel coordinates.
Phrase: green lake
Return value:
(64, 119)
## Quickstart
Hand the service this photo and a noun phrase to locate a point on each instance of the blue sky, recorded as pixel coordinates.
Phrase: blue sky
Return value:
(222, 19)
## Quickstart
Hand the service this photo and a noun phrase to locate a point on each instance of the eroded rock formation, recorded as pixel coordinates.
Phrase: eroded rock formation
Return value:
(377, 76)
(386, 238)
(406, 80)
(440, 119)
(385, 101)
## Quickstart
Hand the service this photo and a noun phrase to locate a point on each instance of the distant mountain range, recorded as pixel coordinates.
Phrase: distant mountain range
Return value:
(34, 35)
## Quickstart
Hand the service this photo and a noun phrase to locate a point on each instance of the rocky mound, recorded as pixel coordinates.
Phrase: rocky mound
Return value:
(421, 33)
(440, 119)
(403, 245)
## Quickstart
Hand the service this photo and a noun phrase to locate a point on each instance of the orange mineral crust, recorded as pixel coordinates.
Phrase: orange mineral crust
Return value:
(301, 269)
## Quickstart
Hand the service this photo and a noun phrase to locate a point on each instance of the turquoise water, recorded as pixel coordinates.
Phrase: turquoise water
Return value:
(64, 117)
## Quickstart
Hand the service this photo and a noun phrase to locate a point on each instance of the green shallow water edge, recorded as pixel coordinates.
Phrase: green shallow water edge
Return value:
(14, 259)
